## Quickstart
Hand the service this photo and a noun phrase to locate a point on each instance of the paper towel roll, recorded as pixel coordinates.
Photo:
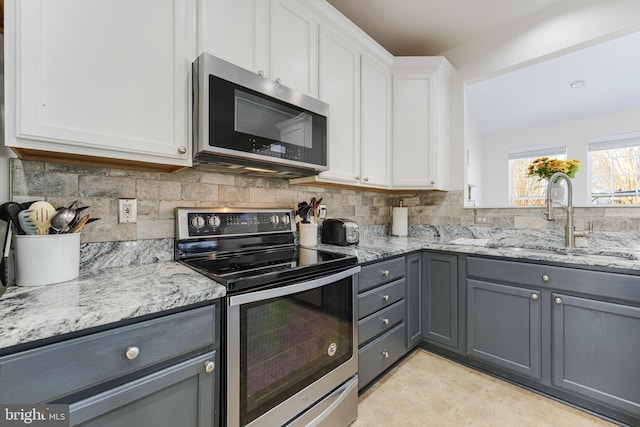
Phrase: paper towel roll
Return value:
(400, 222)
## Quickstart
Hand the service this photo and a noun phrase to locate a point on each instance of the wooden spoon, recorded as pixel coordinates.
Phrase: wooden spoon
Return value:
(80, 224)
(41, 215)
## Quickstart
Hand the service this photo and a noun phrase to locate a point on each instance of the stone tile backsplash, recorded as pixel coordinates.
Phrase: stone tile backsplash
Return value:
(158, 194)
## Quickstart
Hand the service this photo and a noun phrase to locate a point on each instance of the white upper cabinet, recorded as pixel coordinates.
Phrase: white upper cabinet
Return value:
(100, 80)
(236, 31)
(294, 46)
(421, 123)
(277, 39)
(340, 88)
(375, 123)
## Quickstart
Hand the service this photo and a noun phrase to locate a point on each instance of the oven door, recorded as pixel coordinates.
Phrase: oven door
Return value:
(288, 347)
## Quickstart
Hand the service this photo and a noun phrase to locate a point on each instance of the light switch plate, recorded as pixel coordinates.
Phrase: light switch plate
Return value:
(127, 211)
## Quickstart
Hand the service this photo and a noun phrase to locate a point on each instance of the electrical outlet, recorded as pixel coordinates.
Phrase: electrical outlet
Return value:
(322, 211)
(127, 210)
(482, 220)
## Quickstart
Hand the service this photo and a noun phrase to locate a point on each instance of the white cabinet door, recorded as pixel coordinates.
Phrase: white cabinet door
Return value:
(294, 46)
(236, 31)
(421, 123)
(340, 88)
(375, 124)
(96, 78)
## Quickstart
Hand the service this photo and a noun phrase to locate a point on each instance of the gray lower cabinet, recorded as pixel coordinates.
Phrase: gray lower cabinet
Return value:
(146, 373)
(415, 288)
(503, 326)
(440, 299)
(596, 350)
(382, 311)
(181, 395)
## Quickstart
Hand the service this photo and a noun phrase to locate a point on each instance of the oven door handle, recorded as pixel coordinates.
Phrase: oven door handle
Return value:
(291, 289)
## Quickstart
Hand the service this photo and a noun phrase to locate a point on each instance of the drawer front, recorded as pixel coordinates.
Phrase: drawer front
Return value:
(48, 372)
(380, 354)
(598, 283)
(381, 272)
(380, 321)
(379, 298)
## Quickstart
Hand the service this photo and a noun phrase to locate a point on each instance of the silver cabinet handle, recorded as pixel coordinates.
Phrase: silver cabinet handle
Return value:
(534, 296)
(385, 273)
(545, 278)
(132, 352)
(385, 321)
(357, 178)
(385, 354)
(261, 73)
(385, 297)
(209, 366)
(558, 300)
(278, 80)
(366, 179)
(182, 149)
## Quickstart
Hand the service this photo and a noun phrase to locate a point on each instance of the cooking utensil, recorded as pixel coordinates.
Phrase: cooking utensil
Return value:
(26, 224)
(4, 263)
(41, 215)
(80, 224)
(62, 219)
(9, 212)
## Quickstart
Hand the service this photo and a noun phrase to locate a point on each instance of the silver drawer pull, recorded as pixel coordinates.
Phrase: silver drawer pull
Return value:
(558, 300)
(385, 354)
(385, 272)
(132, 352)
(545, 278)
(385, 321)
(209, 366)
(534, 296)
(385, 297)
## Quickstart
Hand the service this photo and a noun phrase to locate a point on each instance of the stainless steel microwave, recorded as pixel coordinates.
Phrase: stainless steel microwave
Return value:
(245, 121)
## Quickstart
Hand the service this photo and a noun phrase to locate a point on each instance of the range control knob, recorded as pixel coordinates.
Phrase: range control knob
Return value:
(285, 219)
(274, 219)
(197, 222)
(214, 221)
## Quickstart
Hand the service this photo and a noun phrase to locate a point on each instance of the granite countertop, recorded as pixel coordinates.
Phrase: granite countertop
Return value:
(109, 295)
(100, 297)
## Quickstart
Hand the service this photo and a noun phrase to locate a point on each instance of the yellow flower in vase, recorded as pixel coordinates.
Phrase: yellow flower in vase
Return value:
(544, 167)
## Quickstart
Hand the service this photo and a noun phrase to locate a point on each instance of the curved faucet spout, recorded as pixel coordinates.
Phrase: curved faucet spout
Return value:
(549, 198)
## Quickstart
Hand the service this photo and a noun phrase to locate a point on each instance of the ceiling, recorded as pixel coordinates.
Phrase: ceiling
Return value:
(431, 27)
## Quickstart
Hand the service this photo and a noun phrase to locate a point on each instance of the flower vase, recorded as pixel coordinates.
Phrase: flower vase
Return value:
(560, 191)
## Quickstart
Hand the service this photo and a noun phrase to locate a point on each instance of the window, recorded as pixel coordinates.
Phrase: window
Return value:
(528, 190)
(614, 167)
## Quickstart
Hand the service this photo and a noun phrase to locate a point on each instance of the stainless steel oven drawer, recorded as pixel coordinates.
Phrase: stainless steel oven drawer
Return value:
(380, 321)
(381, 272)
(380, 354)
(59, 369)
(379, 298)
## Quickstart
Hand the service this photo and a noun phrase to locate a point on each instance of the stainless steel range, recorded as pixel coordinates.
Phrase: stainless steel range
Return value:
(290, 341)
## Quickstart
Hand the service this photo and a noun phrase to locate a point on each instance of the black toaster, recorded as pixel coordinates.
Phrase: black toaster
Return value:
(339, 231)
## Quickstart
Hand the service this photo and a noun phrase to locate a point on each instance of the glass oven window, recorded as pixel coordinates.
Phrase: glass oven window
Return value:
(289, 342)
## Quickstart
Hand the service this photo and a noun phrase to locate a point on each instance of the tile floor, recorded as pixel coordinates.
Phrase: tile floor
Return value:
(428, 390)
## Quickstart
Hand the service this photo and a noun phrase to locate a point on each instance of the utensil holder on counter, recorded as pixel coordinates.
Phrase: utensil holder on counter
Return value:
(308, 234)
(48, 259)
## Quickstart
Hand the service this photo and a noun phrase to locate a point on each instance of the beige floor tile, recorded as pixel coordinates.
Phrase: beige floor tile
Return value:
(427, 390)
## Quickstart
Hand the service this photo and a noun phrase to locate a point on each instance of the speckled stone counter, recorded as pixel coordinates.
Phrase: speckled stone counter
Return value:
(375, 248)
(100, 297)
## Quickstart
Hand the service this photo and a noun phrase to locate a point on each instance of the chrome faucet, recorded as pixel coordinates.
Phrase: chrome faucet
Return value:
(570, 232)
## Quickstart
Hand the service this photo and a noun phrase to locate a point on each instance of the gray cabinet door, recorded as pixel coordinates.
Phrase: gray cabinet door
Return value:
(503, 326)
(181, 395)
(414, 280)
(596, 350)
(440, 299)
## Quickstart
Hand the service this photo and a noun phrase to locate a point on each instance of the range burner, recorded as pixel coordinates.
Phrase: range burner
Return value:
(247, 249)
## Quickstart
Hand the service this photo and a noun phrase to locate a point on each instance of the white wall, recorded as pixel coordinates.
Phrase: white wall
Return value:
(574, 135)
(571, 24)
